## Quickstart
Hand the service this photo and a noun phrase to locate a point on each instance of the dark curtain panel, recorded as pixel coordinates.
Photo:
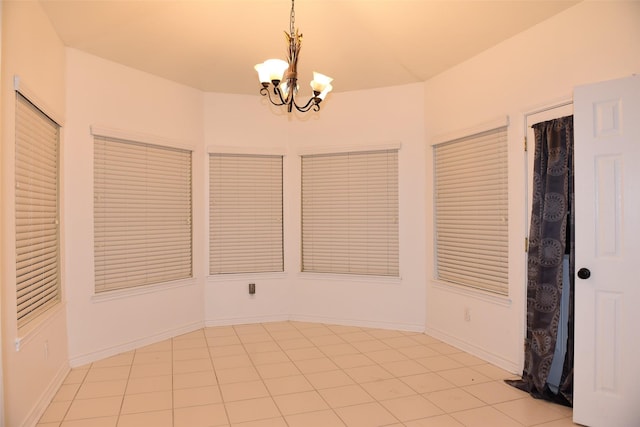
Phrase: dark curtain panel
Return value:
(550, 237)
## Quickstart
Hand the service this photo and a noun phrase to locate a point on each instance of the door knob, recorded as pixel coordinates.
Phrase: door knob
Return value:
(584, 273)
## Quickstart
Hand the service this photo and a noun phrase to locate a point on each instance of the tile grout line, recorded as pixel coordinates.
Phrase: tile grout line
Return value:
(84, 378)
(126, 386)
(262, 379)
(173, 399)
(215, 373)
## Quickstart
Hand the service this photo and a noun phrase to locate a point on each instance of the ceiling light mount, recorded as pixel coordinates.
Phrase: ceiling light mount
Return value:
(279, 78)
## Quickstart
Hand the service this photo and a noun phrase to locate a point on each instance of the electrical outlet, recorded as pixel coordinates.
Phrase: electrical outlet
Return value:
(467, 314)
(252, 288)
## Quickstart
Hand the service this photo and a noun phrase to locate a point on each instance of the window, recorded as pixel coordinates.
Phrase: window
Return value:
(471, 211)
(37, 211)
(245, 213)
(350, 213)
(142, 214)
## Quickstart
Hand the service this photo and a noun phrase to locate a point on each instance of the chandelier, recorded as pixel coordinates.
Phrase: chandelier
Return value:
(279, 78)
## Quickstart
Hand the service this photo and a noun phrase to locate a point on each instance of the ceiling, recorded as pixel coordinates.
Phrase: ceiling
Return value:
(212, 45)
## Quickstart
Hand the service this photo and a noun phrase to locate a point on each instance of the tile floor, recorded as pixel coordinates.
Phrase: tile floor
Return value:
(295, 374)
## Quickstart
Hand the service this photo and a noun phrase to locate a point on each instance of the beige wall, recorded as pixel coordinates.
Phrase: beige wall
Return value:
(349, 120)
(137, 106)
(32, 373)
(590, 42)
(521, 74)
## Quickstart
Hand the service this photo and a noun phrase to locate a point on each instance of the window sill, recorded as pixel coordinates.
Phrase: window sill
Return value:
(243, 277)
(334, 277)
(142, 290)
(478, 294)
(28, 332)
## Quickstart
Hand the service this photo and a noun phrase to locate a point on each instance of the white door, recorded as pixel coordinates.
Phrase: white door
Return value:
(607, 241)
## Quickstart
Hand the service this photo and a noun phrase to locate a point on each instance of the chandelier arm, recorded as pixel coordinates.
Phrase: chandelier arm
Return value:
(277, 91)
(313, 103)
(309, 106)
(264, 91)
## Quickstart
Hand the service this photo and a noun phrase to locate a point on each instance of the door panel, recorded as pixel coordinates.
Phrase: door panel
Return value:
(607, 319)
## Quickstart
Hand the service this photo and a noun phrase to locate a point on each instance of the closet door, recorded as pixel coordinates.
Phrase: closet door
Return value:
(607, 241)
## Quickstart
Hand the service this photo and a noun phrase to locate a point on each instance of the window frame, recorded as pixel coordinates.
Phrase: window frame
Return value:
(180, 217)
(346, 262)
(498, 269)
(47, 169)
(269, 177)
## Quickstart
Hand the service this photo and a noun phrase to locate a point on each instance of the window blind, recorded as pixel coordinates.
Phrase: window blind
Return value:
(471, 211)
(245, 213)
(142, 214)
(36, 211)
(350, 213)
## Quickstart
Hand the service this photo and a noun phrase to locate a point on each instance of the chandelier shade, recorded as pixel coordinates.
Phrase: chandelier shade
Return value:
(320, 82)
(279, 78)
(271, 69)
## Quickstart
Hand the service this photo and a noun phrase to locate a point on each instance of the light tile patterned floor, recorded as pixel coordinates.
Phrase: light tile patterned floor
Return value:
(295, 374)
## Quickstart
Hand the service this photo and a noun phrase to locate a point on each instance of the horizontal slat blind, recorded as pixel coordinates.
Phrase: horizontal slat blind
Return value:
(471, 211)
(36, 204)
(245, 213)
(350, 213)
(142, 214)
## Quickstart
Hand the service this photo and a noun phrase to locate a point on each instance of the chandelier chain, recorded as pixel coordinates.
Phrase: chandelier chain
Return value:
(292, 19)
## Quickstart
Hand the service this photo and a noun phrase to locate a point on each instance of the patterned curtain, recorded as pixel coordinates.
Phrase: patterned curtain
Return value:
(550, 237)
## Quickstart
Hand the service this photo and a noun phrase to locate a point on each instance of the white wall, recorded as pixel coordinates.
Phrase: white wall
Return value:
(32, 374)
(104, 94)
(469, 94)
(590, 42)
(359, 120)
(601, 41)
(236, 123)
(101, 93)
(366, 119)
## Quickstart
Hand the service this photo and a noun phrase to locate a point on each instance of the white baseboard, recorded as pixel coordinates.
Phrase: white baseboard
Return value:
(484, 354)
(229, 321)
(314, 319)
(132, 345)
(47, 396)
(360, 323)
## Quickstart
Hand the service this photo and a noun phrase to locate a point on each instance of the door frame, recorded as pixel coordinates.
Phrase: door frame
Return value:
(559, 108)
